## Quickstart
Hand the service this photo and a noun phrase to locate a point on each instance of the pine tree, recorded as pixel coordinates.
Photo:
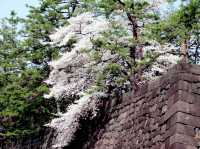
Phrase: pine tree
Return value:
(40, 23)
(24, 66)
(10, 45)
(12, 63)
(137, 12)
(181, 28)
(130, 54)
(11, 53)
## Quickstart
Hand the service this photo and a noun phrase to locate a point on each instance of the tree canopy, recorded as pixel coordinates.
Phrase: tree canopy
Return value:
(26, 50)
(181, 28)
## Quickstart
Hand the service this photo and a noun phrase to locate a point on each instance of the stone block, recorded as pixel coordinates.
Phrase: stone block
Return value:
(189, 77)
(181, 146)
(196, 88)
(179, 129)
(184, 85)
(194, 69)
(181, 106)
(184, 118)
(182, 139)
(189, 98)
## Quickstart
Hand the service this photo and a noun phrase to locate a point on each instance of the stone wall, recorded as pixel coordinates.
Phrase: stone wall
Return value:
(164, 114)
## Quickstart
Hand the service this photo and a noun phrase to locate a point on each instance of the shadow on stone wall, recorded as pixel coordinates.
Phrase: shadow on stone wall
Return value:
(163, 114)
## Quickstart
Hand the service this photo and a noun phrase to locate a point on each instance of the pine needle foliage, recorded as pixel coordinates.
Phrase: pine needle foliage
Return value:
(181, 28)
(123, 43)
(24, 55)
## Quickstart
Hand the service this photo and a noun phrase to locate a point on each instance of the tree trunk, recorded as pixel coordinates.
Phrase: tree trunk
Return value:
(184, 51)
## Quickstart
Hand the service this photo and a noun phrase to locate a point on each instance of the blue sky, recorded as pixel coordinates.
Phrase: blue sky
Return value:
(18, 5)
(170, 8)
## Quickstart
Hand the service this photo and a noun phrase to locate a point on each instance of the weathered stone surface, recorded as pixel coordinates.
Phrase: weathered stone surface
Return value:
(182, 146)
(184, 118)
(163, 114)
(179, 128)
(181, 106)
(183, 139)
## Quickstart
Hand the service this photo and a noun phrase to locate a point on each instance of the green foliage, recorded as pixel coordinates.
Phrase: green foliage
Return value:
(40, 23)
(9, 45)
(180, 25)
(24, 55)
(181, 28)
(70, 44)
(23, 108)
(118, 66)
(121, 43)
